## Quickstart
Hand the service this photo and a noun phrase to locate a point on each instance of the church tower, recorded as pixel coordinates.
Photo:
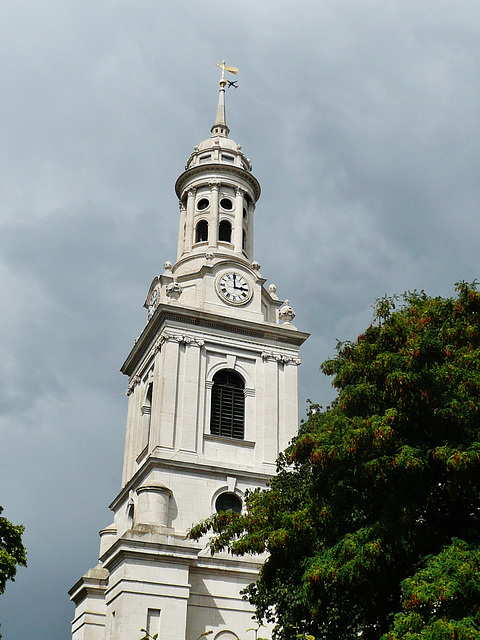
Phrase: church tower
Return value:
(212, 401)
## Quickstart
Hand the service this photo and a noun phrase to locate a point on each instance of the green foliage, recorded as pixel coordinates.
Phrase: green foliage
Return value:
(377, 498)
(442, 600)
(12, 551)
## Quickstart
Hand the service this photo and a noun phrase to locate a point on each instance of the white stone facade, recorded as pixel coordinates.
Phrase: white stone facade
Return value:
(207, 314)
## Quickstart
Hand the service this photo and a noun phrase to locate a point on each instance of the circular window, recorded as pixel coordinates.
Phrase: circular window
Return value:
(228, 502)
(203, 204)
(226, 204)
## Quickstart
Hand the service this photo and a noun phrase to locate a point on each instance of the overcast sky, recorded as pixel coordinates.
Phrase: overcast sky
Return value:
(361, 118)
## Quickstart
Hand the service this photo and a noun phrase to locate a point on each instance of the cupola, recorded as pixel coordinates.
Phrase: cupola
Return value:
(217, 194)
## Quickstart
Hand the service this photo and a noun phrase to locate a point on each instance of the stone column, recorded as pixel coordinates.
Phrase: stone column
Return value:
(189, 227)
(214, 216)
(152, 506)
(181, 230)
(107, 538)
(250, 226)
(238, 224)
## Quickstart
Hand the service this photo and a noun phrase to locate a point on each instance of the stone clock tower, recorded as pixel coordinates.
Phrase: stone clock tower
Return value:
(212, 400)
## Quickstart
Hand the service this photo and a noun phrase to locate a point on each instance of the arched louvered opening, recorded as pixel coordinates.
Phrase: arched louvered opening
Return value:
(225, 231)
(228, 405)
(244, 240)
(228, 502)
(201, 233)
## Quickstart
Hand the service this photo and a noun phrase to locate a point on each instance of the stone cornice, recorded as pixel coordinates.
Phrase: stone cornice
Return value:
(157, 547)
(94, 582)
(192, 465)
(230, 171)
(206, 320)
(131, 545)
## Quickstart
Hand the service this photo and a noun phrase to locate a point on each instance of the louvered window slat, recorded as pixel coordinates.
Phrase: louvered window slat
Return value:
(227, 416)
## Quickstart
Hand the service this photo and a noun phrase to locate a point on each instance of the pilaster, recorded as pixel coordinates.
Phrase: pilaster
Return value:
(238, 224)
(189, 219)
(165, 387)
(214, 215)
(181, 230)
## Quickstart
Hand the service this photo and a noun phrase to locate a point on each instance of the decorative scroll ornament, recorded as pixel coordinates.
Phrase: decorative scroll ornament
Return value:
(167, 265)
(181, 339)
(286, 313)
(174, 290)
(166, 336)
(132, 384)
(281, 358)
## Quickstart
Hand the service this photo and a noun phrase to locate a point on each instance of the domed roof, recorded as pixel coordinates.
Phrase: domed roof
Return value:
(216, 140)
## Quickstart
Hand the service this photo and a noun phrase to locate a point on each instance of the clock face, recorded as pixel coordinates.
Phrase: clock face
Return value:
(233, 288)
(152, 304)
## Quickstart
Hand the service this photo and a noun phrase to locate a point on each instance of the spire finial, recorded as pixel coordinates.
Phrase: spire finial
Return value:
(220, 127)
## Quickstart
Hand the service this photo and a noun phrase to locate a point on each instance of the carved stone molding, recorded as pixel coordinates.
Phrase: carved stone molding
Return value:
(181, 339)
(281, 358)
(286, 313)
(132, 384)
(272, 289)
(214, 185)
(174, 290)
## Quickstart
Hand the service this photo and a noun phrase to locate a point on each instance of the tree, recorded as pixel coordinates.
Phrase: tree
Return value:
(12, 551)
(376, 502)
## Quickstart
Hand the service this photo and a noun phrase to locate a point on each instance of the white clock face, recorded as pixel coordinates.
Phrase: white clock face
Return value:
(233, 288)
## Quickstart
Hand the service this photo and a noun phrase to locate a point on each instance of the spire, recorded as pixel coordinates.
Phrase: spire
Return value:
(220, 127)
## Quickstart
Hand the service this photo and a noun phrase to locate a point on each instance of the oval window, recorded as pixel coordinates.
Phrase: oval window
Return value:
(228, 502)
(203, 204)
(226, 204)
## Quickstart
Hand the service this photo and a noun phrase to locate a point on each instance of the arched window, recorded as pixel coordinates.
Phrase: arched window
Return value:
(228, 502)
(201, 234)
(228, 405)
(225, 231)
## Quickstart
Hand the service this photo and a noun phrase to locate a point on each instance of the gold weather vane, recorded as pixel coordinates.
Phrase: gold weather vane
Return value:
(224, 68)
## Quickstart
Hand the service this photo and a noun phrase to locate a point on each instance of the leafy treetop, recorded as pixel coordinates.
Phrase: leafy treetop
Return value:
(375, 510)
(12, 551)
